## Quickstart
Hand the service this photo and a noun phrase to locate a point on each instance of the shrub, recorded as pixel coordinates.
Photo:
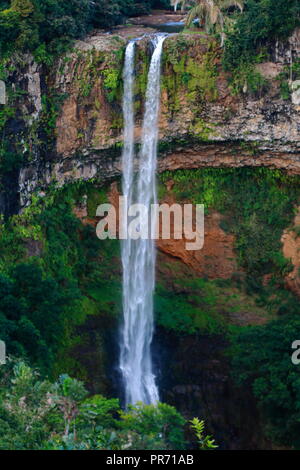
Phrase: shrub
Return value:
(37, 414)
(261, 22)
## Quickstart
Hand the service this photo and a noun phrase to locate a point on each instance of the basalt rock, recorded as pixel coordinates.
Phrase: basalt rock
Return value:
(202, 386)
(201, 122)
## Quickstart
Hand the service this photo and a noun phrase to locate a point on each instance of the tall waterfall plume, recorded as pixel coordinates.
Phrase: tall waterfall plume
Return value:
(138, 256)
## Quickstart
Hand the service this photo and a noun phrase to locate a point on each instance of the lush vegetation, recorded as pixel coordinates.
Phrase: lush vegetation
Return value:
(261, 22)
(55, 274)
(189, 306)
(258, 204)
(52, 266)
(51, 262)
(248, 29)
(47, 26)
(37, 414)
(261, 358)
(249, 39)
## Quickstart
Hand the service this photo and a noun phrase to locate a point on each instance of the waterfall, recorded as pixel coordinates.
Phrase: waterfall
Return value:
(138, 256)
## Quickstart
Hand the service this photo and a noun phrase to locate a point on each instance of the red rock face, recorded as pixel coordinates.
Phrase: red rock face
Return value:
(215, 260)
(291, 250)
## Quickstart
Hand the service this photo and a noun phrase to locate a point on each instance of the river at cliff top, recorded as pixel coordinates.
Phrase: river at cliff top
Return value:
(158, 21)
(163, 21)
(170, 27)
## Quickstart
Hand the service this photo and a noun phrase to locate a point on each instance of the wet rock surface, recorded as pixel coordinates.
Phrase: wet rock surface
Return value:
(195, 376)
(197, 128)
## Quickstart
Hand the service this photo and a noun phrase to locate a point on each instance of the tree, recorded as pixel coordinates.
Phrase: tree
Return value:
(27, 25)
(36, 414)
(212, 14)
(262, 21)
(175, 3)
(67, 394)
(153, 427)
(24, 408)
(32, 313)
(23, 7)
(20, 22)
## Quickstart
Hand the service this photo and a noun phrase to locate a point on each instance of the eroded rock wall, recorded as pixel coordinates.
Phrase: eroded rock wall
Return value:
(201, 122)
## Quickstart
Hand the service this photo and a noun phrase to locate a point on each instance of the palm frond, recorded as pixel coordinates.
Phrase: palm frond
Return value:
(197, 11)
(210, 13)
(174, 3)
(214, 13)
(225, 4)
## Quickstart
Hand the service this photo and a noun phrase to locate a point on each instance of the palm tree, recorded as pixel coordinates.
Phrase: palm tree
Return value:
(212, 14)
(175, 3)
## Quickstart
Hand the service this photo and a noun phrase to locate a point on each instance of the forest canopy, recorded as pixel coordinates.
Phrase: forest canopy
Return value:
(29, 24)
(261, 22)
(49, 25)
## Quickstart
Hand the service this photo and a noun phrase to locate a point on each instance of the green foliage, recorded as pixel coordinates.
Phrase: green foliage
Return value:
(51, 105)
(189, 307)
(203, 76)
(100, 411)
(262, 21)
(47, 27)
(6, 113)
(258, 204)
(23, 408)
(107, 13)
(153, 427)
(213, 15)
(9, 161)
(27, 299)
(261, 359)
(18, 26)
(70, 277)
(194, 76)
(140, 85)
(42, 55)
(37, 414)
(246, 79)
(205, 442)
(112, 77)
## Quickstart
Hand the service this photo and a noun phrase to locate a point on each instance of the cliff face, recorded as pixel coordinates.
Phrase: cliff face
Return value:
(206, 389)
(291, 250)
(66, 123)
(78, 105)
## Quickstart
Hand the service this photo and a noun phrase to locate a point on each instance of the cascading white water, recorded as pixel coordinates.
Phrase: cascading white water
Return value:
(138, 256)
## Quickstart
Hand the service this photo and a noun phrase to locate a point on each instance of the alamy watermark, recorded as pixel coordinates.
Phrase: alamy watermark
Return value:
(160, 221)
(296, 354)
(2, 92)
(2, 353)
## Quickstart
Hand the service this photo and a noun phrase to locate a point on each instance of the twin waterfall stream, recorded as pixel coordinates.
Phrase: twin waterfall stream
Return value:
(138, 256)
